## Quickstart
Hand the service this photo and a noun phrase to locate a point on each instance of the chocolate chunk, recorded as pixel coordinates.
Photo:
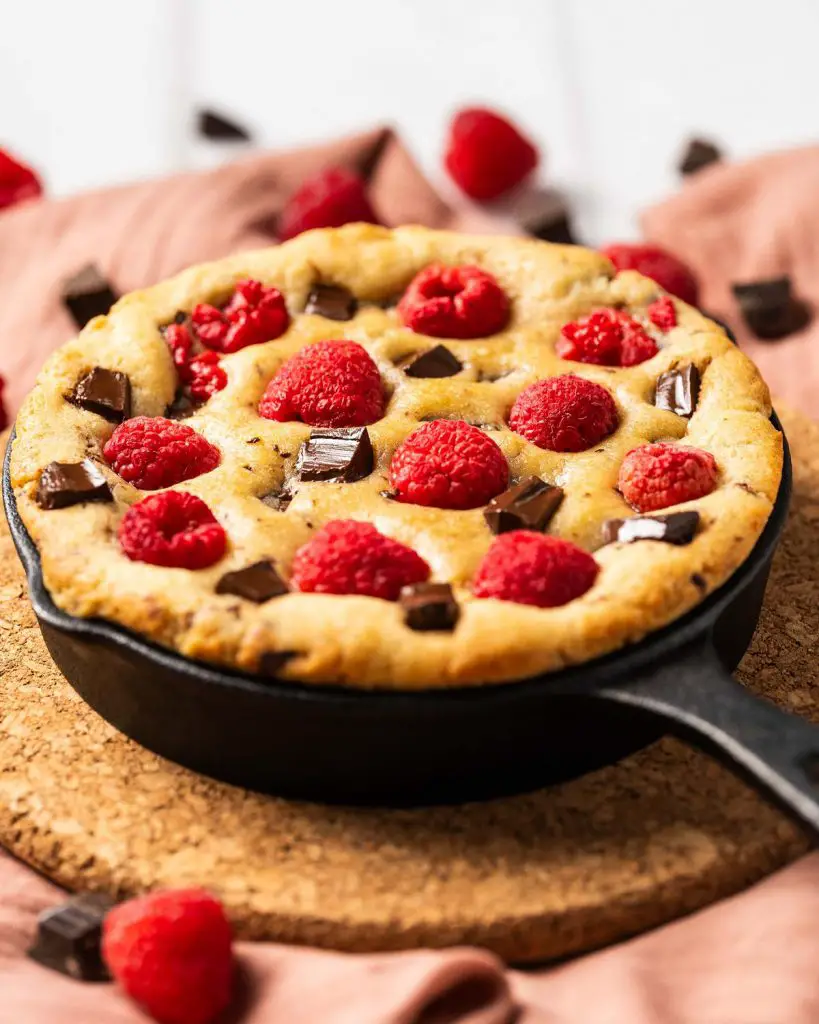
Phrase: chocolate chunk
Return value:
(678, 390)
(546, 216)
(181, 407)
(87, 294)
(527, 505)
(699, 582)
(258, 582)
(675, 528)
(769, 308)
(698, 154)
(278, 500)
(435, 362)
(271, 661)
(722, 324)
(331, 301)
(68, 938)
(429, 606)
(70, 483)
(106, 392)
(179, 317)
(336, 454)
(214, 126)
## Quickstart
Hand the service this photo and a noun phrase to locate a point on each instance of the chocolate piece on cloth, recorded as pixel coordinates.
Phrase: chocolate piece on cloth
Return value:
(544, 214)
(698, 153)
(69, 937)
(435, 362)
(106, 392)
(769, 308)
(211, 125)
(674, 528)
(678, 390)
(71, 483)
(336, 455)
(331, 301)
(87, 294)
(527, 505)
(258, 582)
(429, 606)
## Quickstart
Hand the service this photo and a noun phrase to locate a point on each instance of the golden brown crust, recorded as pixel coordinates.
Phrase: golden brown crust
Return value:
(361, 641)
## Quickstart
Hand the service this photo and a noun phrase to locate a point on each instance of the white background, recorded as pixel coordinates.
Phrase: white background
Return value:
(100, 91)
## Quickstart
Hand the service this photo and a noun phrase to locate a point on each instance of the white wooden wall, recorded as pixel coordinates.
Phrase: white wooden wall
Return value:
(99, 91)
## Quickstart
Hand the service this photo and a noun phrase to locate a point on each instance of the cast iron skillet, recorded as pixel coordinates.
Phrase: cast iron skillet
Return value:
(332, 745)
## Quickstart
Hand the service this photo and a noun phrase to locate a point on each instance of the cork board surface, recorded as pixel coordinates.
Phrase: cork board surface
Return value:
(532, 877)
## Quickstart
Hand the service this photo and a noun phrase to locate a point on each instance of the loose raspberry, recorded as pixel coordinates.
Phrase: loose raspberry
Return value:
(607, 337)
(205, 376)
(662, 313)
(253, 315)
(180, 342)
(454, 302)
(17, 181)
(661, 266)
(151, 452)
(328, 384)
(349, 557)
(448, 464)
(327, 200)
(658, 475)
(174, 529)
(531, 568)
(486, 154)
(564, 414)
(172, 953)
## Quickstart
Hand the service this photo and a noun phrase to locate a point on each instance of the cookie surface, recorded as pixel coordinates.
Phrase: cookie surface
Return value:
(364, 641)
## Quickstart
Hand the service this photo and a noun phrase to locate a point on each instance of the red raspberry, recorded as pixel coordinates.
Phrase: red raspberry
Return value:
(327, 200)
(328, 384)
(531, 568)
(175, 529)
(180, 342)
(205, 376)
(448, 464)
(349, 557)
(253, 315)
(486, 154)
(172, 953)
(662, 313)
(607, 337)
(152, 452)
(454, 302)
(564, 414)
(658, 475)
(17, 182)
(657, 264)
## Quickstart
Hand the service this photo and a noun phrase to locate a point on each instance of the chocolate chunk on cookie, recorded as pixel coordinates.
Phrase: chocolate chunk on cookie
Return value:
(105, 392)
(71, 483)
(675, 528)
(331, 301)
(678, 390)
(336, 455)
(429, 606)
(258, 582)
(527, 505)
(435, 362)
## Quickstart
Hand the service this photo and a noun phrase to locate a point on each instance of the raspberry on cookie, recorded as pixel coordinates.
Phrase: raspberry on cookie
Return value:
(655, 476)
(174, 529)
(254, 314)
(564, 414)
(152, 452)
(606, 337)
(658, 264)
(454, 302)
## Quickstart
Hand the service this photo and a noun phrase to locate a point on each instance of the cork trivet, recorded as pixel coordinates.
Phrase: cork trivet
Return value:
(532, 877)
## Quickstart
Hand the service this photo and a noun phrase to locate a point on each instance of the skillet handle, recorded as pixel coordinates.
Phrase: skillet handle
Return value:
(776, 751)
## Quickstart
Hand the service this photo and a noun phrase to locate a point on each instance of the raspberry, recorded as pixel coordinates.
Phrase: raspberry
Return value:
(448, 464)
(172, 953)
(486, 155)
(658, 475)
(662, 313)
(334, 197)
(531, 568)
(180, 342)
(349, 557)
(151, 452)
(175, 529)
(564, 414)
(607, 337)
(454, 302)
(328, 384)
(657, 264)
(205, 376)
(17, 182)
(253, 315)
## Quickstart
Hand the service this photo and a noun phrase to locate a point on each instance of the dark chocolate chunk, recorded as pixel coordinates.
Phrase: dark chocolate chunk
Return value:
(336, 454)
(87, 294)
(435, 362)
(257, 582)
(105, 392)
(678, 390)
(179, 317)
(429, 606)
(271, 661)
(546, 216)
(181, 407)
(68, 938)
(278, 500)
(211, 125)
(699, 153)
(770, 309)
(527, 505)
(331, 301)
(70, 483)
(674, 528)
